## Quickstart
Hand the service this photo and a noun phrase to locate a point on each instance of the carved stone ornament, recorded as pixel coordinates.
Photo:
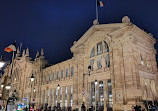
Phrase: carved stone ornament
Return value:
(37, 54)
(42, 52)
(18, 52)
(27, 51)
(23, 53)
(126, 19)
(95, 22)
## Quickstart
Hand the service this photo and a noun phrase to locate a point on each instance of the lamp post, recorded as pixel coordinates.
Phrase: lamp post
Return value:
(32, 79)
(89, 70)
(96, 82)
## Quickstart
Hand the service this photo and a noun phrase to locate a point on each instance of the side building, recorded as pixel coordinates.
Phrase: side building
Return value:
(120, 57)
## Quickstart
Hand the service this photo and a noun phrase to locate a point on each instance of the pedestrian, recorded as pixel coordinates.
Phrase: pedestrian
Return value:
(14, 109)
(83, 108)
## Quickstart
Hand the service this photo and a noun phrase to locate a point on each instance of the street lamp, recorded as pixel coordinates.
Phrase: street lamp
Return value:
(8, 86)
(96, 82)
(34, 90)
(1, 62)
(32, 79)
(58, 87)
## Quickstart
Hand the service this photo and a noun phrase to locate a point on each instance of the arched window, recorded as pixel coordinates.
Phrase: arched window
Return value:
(106, 47)
(62, 74)
(57, 75)
(53, 76)
(72, 71)
(67, 72)
(49, 78)
(92, 52)
(99, 48)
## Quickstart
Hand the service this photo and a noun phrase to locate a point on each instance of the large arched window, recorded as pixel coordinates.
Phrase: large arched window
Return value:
(99, 48)
(92, 52)
(97, 56)
(106, 47)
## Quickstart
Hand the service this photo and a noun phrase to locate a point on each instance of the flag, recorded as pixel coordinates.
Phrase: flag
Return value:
(100, 3)
(10, 48)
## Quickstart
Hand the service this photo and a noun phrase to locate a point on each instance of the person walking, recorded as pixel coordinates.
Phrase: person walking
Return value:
(83, 108)
(14, 109)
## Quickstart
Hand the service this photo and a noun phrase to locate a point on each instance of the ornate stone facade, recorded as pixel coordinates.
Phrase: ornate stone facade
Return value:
(122, 60)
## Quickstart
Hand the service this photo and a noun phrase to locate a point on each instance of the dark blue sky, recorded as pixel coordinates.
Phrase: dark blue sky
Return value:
(55, 24)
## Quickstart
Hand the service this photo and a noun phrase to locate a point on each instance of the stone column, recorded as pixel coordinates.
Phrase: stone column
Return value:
(89, 95)
(63, 96)
(68, 95)
(105, 88)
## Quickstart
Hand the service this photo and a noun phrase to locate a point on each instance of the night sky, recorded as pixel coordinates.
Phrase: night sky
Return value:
(54, 24)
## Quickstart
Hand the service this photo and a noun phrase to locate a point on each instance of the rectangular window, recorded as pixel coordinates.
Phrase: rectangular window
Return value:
(99, 65)
(92, 64)
(67, 72)
(101, 93)
(60, 96)
(65, 96)
(93, 94)
(110, 102)
(107, 61)
(52, 97)
(99, 48)
(62, 74)
(56, 97)
(47, 96)
(71, 96)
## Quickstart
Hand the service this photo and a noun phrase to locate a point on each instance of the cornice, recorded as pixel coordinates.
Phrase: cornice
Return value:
(143, 34)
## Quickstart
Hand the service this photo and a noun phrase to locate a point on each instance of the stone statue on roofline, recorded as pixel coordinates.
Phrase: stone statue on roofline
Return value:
(27, 52)
(37, 54)
(23, 53)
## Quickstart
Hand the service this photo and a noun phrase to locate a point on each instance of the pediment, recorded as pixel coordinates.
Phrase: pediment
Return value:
(98, 31)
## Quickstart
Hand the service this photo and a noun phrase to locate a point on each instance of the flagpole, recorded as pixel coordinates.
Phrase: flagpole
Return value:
(96, 11)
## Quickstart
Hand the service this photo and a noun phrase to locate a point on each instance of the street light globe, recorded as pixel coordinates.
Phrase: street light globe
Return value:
(1, 64)
(32, 78)
(34, 90)
(58, 86)
(96, 82)
(8, 86)
(2, 85)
